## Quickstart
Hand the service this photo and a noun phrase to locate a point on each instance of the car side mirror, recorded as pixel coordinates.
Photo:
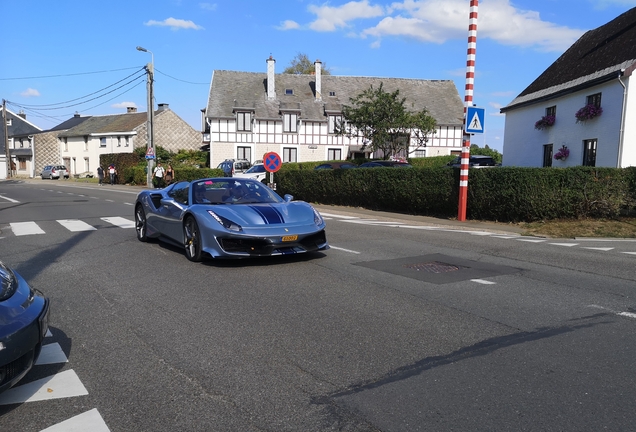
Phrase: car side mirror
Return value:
(288, 197)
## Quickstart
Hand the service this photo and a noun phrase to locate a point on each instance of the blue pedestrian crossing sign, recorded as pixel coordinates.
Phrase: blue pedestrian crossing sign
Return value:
(474, 120)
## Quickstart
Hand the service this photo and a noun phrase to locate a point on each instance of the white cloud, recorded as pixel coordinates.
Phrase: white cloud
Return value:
(30, 93)
(331, 18)
(124, 105)
(174, 24)
(436, 21)
(208, 6)
(288, 25)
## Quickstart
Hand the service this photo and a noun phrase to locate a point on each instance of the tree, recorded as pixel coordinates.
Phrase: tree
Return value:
(302, 65)
(486, 151)
(382, 120)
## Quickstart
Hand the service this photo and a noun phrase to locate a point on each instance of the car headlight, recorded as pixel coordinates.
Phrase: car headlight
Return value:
(227, 224)
(8, 282)
(317, 218)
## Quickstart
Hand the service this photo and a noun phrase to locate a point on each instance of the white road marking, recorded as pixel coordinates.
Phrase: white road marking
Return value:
(9, 199)
(483, 282)
(120, 222)
(51, 354)
(338, 216)
(628, 314)
(129, 204)
(598, 248)
(505, 236)
(564, 244)
(630, 253)
(530, 240)
(62, 385)
(25, 228)
(344, 250)
(88, 421)
(75, 225)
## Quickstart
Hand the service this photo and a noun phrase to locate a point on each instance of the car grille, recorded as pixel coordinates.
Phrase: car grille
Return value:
(265, 247)
(15, 368)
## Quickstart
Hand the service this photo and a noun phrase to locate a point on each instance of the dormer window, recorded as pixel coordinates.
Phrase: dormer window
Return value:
(335, 122)
(9, 122)
(243, 121)
(289, 91)
(290, 122)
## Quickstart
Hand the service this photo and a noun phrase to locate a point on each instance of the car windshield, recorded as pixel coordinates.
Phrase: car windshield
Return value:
(232, 191)
(256, 169)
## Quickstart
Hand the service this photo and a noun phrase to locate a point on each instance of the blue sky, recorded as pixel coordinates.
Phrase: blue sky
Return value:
(79, 56)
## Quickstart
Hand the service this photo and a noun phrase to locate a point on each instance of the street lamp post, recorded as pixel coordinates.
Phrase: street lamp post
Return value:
(150, 70)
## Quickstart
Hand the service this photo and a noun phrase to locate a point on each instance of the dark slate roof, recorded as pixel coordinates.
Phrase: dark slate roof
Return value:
(232, 90)
(19, 127)
(107, 124)
(68, 124)
(598, 55)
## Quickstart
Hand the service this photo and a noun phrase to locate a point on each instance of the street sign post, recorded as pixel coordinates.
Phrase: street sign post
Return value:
(474, 120)
(272, 163)
(150, 154)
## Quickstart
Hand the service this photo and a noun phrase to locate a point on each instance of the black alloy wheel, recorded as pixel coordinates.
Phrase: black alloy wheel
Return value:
(140, 223)
(192, 240)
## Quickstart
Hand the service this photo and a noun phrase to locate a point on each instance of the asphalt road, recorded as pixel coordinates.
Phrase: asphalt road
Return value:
(405, 324)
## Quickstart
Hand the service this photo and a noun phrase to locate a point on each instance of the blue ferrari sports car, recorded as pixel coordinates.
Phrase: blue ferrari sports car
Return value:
(228, 217)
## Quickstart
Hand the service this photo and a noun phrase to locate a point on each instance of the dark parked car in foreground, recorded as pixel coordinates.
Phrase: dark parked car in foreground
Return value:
(24, 321)
(228, 217)
(386, 164)
(475, 161)
(336, 165)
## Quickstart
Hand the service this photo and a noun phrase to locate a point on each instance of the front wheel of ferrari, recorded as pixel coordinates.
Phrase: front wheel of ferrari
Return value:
(192, 240)
(140, 223)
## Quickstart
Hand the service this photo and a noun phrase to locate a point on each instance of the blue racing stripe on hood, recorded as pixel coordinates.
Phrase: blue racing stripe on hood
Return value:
(269, 214)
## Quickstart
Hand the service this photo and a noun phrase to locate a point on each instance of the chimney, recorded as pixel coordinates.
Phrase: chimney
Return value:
(22, 114)
(131, 109)
(163, 107)
(76, 115)
(318, 67)
(271, 88)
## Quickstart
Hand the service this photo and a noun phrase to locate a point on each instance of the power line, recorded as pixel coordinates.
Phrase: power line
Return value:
(82, 97)
(177, 79)
(80, 103)
(67, 75)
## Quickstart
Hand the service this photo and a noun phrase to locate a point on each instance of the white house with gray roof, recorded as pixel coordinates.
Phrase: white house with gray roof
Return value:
(249, 114)
(595, 71)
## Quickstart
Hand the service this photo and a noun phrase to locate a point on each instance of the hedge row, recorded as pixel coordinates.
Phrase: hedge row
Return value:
(497, 194)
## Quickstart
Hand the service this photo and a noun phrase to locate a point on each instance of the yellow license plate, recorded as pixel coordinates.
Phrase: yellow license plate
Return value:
(290, 238)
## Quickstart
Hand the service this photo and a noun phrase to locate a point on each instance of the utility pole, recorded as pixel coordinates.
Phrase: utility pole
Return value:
(6, 137)
(150, 70)
(468, 102)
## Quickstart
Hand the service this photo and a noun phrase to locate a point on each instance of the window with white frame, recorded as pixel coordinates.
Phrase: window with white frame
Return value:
(65, 144)
(127, 141)
(290, 122)
(334, 154)
(290, 154)
(335, 121)
(87, 166)
(243, 121)
(102, 142)
(551, 111)
(85, 142)
(118, 141)
(419, 153)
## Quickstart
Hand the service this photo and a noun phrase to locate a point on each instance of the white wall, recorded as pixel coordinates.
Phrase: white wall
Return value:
(523, 144)
(312, 140)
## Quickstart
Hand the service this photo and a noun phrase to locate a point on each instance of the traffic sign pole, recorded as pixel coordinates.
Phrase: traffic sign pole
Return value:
(272, 163)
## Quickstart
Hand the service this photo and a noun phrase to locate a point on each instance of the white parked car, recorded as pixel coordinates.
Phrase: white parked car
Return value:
(256, 172)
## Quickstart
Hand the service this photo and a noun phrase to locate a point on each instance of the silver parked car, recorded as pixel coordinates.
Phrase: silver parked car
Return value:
(54, 172)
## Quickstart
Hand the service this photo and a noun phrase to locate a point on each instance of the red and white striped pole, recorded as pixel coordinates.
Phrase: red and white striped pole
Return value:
(468, 102)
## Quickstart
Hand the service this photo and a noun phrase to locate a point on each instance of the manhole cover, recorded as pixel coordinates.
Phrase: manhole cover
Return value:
(433, 267)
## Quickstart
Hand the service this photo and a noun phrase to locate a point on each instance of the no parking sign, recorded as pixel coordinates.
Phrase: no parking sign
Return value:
(272, 163)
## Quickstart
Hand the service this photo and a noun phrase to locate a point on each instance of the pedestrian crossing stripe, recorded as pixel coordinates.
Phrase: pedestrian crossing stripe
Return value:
(73, 225)
(88, 421)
